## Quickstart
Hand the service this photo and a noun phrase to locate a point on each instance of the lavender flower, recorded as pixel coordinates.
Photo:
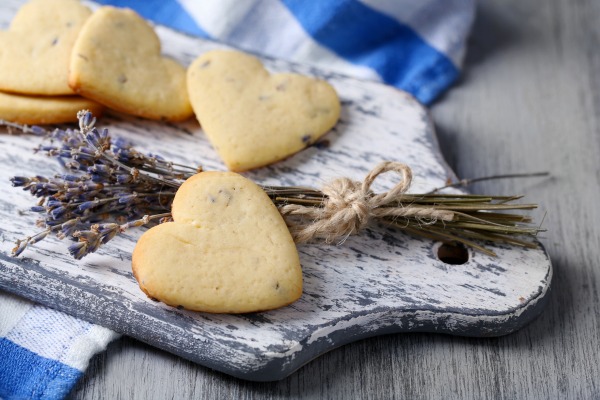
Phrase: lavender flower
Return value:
(110, 186)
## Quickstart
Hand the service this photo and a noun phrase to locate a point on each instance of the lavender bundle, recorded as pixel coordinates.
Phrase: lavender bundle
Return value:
(111, 187)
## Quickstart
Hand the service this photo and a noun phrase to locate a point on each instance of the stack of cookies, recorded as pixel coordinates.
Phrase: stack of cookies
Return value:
(34, 59)
(58, 58)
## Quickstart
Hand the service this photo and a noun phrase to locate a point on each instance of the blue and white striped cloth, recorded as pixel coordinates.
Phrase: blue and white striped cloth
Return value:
(417, 46)
(43, 352)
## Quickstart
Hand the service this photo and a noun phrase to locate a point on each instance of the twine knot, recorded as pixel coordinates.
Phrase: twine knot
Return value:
(350, 205)
(347, 204)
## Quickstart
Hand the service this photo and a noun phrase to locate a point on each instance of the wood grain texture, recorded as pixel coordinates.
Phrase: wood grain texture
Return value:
(528, 101)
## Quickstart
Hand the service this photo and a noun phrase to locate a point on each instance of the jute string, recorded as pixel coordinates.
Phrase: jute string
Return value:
(350, 205)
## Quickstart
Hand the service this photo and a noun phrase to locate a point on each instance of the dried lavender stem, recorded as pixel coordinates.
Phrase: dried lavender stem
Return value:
(34, 129)
(470, 181)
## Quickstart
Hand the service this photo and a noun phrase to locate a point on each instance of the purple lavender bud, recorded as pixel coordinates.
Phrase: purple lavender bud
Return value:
(123, 155)
(58, 134)
(94, 244)
(87, 120)
(121, 143)
(104, 228)
(82, 156)
(87, 150)
(91, 185)
(67, 228)
(109, 231)
(84, 236)
(51, 186)
(71, 195)
(72, 142)
(64, 153)
(38, 130)
(78, 250)
(87, 205)
(18, 181)
(39, 190)
(91, 136)
(124, 178)
(100, 169)
(73, 165)
(39, 237)
(69, 178)
(96, 178)
(90, 194)
(18, 249)
(53, 203)
(58, 212)
(61, 162)
(38, 209)
(127, 198)
(51, 223)
(47, 148)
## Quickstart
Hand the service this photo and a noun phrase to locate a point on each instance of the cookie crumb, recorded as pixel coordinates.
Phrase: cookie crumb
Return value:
(322, 144)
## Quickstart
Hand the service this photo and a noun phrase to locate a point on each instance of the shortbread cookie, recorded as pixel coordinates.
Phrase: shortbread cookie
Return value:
(39, 110)
(116, 61)
(227, 251)
(35, 51)
(253, 118)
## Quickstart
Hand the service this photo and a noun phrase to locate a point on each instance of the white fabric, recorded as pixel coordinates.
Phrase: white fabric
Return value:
(229, 22)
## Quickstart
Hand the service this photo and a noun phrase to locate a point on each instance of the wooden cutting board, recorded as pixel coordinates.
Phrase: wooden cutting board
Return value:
(379, 282)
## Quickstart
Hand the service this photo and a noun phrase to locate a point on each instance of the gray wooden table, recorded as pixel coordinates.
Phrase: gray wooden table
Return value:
(529, 100)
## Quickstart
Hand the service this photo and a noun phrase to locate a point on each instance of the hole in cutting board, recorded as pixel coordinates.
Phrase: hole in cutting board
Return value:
(455, 254)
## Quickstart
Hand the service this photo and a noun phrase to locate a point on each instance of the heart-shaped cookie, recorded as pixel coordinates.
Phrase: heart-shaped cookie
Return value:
(116, 61)
(39, 110)
(253, 118)
(227, 251)
(35, 51)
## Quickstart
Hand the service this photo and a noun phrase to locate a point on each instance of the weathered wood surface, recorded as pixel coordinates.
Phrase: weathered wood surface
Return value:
(527, 103)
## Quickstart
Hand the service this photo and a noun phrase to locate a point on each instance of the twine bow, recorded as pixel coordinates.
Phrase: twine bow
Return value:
(350, 206)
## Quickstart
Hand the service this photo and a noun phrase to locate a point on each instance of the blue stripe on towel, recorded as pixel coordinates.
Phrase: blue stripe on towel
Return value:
(168, 13)
(367, 37)
(26, 375)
